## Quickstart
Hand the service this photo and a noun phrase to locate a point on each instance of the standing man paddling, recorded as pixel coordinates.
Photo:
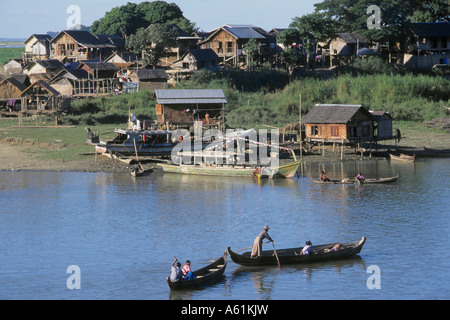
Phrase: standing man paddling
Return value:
(257, 244)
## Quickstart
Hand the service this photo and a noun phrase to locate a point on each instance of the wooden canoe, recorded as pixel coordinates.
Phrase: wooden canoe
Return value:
(205, 275)
(402, 157)
(367, 181)
(285, 171)
(292, 256)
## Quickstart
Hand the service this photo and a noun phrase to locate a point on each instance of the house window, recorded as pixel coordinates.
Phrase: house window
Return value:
(444, 42)
(220, 49)
(334, 131)
(230, 47)
(314, 130)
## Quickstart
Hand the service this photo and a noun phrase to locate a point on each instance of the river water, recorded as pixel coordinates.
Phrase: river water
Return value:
(122, 233)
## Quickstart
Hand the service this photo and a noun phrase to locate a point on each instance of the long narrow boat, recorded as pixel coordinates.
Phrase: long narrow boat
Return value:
(402, 157)
(203, 276)
(366, 181)
(285, 171)
(293, 256)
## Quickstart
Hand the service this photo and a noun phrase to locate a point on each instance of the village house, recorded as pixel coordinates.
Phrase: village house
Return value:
(229, 41)
(43, 69)
(37, 47)
(339, 123)
(187, 107)
(428, 45)
(142, 78)
(183, 43)
(76, 45)
(70, 82)
(197, 59)
(39, 96)
(345, 46)
(43, 66)
(384, 125)
(10, 94)
(124, 60)
(99, 69)
(14, 66)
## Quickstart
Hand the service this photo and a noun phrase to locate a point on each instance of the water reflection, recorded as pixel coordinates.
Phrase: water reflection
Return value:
(127, 229)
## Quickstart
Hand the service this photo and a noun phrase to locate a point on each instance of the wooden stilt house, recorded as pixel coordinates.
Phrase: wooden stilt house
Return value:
(190, 107)
(339, 123)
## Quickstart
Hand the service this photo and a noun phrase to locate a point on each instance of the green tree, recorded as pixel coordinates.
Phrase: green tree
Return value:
(430, 11)
(253, 53)
(313, 28)
(352, 16)
(127, 19)
(152, 42)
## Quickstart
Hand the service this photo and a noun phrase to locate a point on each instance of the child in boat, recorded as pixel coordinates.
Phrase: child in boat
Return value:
(335, 248)
(360, 178)
(187, 272)
(324, 177)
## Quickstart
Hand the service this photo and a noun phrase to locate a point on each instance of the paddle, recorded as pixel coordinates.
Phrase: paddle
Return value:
(276, 255)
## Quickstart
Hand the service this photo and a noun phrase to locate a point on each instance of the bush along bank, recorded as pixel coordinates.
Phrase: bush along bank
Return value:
(273, 98)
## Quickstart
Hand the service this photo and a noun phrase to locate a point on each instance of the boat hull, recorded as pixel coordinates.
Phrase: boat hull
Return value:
(402, 157)
(206, 275)
(367, 181)
(286, 171)
(292, 256)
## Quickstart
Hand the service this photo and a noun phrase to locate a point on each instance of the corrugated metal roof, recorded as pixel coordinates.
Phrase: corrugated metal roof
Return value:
(194, 96)
(244, 33)
(333, 113)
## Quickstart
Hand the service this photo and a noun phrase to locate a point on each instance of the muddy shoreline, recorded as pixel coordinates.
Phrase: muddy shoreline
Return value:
(15, 157)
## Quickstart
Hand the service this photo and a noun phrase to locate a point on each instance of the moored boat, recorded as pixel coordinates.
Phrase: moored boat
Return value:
(292, 255)
(138, 142)
(284, 171)
(350, 181)
(203, 276)
(402, 157)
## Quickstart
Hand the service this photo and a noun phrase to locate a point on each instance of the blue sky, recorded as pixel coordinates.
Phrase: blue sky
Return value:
(21, 18)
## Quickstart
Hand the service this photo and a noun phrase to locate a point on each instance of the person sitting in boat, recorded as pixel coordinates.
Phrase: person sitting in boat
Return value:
(360, 178)
(335, 248)
(187, 272)
(306, 249)
(176, 271)
(324, 177)
(257, 244)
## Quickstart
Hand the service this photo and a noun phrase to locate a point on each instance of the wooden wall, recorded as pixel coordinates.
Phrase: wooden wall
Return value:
(326, 131)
